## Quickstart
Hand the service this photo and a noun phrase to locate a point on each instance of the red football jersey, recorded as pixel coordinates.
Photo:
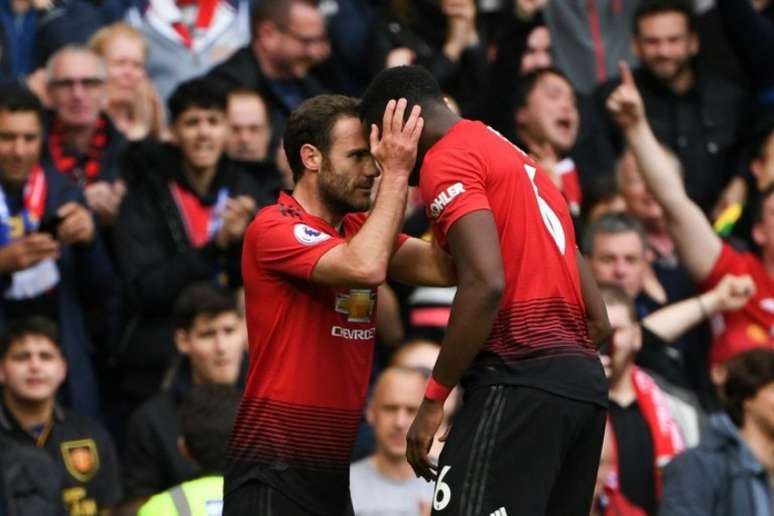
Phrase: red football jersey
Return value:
(311, 348)
(753, 325)
(540, 330)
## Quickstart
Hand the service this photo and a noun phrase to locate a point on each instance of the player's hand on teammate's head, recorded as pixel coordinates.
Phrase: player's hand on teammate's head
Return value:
(625, 103)
(420, 438)
(395, 149)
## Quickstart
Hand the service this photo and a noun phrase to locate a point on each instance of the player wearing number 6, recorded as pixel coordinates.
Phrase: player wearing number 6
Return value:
(528, 437)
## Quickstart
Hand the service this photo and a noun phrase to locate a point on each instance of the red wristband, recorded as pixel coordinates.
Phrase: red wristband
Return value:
(436, 391)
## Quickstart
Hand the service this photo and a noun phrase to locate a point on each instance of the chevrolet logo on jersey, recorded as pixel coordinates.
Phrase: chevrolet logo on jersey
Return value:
(357, 305)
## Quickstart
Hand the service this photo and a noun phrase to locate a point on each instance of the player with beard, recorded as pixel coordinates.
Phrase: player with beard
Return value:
(311, 266)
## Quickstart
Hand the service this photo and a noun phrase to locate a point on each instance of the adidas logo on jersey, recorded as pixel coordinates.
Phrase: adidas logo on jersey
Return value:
(444, 198)
(500, 512)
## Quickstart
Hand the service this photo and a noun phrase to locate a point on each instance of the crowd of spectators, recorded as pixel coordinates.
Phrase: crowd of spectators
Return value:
(138, 139)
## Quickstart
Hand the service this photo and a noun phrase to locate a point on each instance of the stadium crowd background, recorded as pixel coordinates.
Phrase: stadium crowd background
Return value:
(129, 268)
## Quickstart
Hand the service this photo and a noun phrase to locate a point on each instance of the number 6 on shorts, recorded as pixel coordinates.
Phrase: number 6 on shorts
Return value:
(442, 495)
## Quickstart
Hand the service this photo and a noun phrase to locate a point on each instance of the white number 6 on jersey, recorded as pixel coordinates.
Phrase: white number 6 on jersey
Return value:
(442, 495)
(550, 219)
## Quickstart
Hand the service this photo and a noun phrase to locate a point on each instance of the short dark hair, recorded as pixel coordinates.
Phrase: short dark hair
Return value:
(15, 98)
(311, 123)
(652, 7)
(529, 81)
(206, 417)
(201, 93)
(413, 83)
(614, 295)
(275, 11)
(764, 130)
(202, 299)
(34, 325)
(612, 223)
(747, 373)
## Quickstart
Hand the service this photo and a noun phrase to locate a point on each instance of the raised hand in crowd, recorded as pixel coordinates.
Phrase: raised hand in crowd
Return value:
(76, 226)
(29, 250)
(526, 9)
(236, 215)
(730, 294)
(104, 199)
(462, 31)
(625, 103)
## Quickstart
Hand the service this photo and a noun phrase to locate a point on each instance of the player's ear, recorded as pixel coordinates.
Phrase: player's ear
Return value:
(181, 342)
(311, 157)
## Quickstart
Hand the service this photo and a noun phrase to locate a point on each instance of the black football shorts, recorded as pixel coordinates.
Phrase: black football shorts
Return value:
(519, 451)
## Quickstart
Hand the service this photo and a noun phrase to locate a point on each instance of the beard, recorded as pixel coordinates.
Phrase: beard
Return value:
(678, 68)
(337, 193)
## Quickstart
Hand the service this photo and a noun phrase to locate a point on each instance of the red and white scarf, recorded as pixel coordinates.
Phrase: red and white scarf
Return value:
(211, 18)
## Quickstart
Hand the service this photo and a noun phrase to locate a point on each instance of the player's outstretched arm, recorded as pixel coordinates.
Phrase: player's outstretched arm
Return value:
(596, 313)
(475, 246)
(422, 263)
(363, 260)
(697, 244)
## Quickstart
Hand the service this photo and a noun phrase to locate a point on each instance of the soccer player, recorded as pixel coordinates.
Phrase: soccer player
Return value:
(527, 438)
(311, 266)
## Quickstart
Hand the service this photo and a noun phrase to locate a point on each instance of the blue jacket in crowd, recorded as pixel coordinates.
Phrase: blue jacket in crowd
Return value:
(720, 477)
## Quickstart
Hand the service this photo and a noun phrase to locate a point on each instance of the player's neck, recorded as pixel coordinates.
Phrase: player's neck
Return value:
(761, 443)
(304, 193)
(394, 469)
(622, 389)
(29, 414)
(438, 122)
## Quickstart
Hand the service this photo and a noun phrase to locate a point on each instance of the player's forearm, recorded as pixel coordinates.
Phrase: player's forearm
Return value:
(472, 316)
(370, 249)
(660, 171)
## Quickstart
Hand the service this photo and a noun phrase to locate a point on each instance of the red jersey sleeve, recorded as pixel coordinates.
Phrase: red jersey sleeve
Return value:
(291, 247)
(730, 261)
(453, 184)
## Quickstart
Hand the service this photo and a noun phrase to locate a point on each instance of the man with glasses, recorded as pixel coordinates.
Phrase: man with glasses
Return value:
(83, 144)
(289, 38)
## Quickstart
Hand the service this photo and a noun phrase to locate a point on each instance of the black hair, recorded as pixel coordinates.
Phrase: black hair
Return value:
(34, 325)
(202, 299)
(529, 81)
(652, 7)
(275, 11)
(200, 93)
(747, 373)
(413, 83)
(612, 223)
(311, 123)
(206, 417)
(600, 188)
(15, 98)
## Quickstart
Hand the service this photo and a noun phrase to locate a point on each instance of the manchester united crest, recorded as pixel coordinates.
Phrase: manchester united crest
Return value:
(81, 458)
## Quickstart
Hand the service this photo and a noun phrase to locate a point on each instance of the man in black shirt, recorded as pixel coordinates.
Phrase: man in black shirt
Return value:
(646, 435)
(210, 337)
(31, 370)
